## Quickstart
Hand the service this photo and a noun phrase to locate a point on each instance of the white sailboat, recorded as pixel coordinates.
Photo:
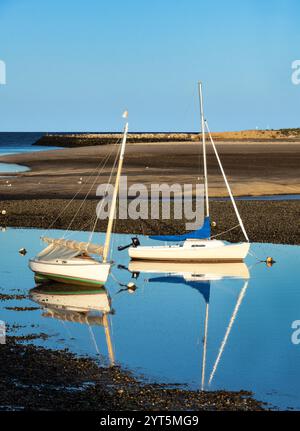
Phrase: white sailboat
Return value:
(69, 261)
(198, 245)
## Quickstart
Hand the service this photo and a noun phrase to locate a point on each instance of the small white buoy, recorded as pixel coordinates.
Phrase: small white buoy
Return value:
(131, 287)
(3, 212)
(79, 182)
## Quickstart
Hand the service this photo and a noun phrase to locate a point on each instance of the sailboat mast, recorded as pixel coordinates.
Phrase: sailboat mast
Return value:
(204, 147)
(114, 197)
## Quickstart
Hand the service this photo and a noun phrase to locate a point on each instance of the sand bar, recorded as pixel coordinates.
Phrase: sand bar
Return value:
(252, 168)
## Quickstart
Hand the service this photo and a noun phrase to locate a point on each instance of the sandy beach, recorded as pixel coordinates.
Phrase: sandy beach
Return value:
(252, 168)
(37, 197)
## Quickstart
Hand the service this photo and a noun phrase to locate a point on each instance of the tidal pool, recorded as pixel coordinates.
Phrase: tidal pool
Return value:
(200, 326)
(8, 168)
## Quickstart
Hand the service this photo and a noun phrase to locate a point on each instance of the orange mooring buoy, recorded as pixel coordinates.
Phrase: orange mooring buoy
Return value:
(270, 261)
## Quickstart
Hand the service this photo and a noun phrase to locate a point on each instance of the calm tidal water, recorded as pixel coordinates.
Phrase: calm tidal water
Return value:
(17, 142)
(158, 331)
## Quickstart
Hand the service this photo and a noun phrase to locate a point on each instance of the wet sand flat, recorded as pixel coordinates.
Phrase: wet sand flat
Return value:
(253, 168)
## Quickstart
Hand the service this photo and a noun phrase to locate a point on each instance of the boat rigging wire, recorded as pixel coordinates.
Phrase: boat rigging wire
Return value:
(226, 183)
(102, 202)
(88, 192)
(103, 163)
(225, 231)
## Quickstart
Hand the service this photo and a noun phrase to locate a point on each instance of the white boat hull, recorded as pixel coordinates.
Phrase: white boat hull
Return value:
(77, 271)
(193, 251)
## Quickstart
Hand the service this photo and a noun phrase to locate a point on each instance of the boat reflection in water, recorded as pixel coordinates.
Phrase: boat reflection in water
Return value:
(80, 304)
(198, 276)
(192, 271)
(92, 306)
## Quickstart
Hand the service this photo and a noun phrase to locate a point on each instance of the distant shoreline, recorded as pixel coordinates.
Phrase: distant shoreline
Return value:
(89, 139)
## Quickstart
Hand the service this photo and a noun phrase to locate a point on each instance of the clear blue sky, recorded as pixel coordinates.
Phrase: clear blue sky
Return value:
(76, 65)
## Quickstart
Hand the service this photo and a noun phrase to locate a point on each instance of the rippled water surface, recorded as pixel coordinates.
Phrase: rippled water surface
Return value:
(159, 329)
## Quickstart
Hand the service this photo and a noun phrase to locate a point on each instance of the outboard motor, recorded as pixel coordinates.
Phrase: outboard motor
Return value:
(134, 243)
